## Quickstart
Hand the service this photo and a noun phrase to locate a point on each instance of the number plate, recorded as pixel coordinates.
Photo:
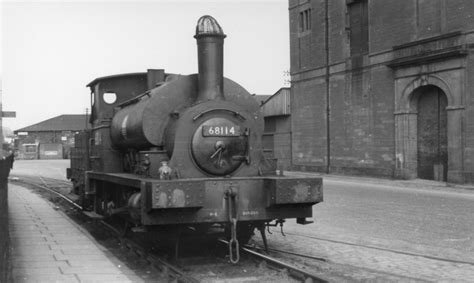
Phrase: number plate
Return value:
(220, 131)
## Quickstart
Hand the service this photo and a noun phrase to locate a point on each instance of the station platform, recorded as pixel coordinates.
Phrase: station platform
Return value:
(46, 246)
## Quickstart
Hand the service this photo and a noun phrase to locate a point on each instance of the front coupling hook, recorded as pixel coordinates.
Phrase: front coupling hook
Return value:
(234, 249)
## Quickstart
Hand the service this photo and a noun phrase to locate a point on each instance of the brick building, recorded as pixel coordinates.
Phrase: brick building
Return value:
(383, 88)
(56, 134)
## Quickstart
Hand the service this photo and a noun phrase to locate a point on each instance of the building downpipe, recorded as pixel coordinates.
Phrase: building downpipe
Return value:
(328, 102)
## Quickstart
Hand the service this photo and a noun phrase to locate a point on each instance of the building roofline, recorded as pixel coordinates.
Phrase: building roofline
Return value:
(30, 128)
(280, 89)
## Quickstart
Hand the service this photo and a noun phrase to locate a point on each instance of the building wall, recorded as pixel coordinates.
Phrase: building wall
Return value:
(468, 154)
(66, 138)
(308, 124)
(367, 80)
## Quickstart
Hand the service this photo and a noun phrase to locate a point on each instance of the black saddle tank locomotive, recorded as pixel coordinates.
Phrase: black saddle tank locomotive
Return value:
(166, 151)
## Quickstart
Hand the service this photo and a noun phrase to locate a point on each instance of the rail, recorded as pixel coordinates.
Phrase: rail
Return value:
(47, 187)
(294, 271)
(174, 273)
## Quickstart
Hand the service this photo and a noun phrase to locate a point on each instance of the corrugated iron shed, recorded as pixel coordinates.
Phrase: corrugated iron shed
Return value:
(277, 104)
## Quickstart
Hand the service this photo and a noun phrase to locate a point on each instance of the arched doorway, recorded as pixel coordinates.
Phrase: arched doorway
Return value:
(432, 141)
(408, 91)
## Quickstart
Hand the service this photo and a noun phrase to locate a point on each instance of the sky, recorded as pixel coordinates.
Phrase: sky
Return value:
(51, 50)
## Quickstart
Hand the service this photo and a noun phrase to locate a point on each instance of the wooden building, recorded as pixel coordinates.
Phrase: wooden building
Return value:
(49, 139)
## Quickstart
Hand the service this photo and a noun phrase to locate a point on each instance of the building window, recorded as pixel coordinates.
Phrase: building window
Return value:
(359, 26)
(305, 20)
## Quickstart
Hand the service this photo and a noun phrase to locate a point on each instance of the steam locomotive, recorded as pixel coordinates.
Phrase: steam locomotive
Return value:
(167, 152)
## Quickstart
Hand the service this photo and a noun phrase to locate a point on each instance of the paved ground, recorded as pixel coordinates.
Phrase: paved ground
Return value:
(373, 229)
(48, 247)
(420, 230)
(45, 168)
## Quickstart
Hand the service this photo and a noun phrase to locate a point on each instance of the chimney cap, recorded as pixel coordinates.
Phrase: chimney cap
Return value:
(208, 26)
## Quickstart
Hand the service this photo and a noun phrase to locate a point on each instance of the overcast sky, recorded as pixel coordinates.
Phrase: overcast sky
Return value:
(52, 49)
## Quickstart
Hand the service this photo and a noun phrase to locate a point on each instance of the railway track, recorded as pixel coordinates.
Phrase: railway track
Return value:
(299, 273)
(59, 187)
(384, 249)
(174, 272)
(183, 271)
(329, 270)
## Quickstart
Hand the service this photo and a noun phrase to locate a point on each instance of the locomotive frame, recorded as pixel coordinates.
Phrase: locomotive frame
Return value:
(174, 151)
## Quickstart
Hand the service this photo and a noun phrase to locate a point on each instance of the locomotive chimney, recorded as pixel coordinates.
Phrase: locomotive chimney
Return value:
(210, 41)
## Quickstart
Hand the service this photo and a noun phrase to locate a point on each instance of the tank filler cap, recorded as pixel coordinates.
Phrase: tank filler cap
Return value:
(208, 26)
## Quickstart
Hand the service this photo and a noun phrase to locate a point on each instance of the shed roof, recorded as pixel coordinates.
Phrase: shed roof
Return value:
(277, 104)
(276, 94)
(65, 122)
